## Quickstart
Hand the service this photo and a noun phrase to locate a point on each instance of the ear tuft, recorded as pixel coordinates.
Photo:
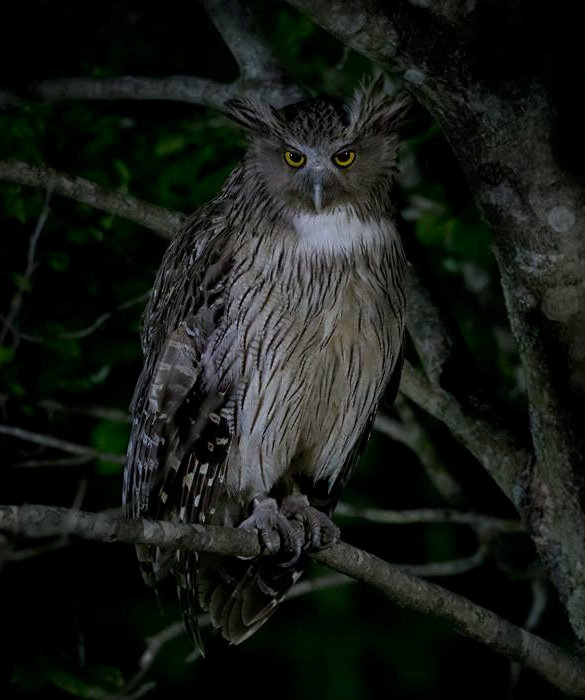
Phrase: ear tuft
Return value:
(372, 110)
(253, 117)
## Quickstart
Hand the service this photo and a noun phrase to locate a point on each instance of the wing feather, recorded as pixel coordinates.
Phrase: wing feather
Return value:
(179, 442)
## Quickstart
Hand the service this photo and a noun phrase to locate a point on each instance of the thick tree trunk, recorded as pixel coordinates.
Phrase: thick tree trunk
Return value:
(476, 71)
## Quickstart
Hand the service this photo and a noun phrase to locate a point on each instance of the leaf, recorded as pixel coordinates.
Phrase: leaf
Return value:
(83, 236)
(110, 436)
(6, 355)
(59, 260)
(170, 144)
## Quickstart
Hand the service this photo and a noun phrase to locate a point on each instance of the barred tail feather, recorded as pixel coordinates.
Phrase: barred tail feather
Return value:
(241, 595)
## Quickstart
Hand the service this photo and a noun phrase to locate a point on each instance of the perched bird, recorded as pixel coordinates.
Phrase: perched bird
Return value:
(274, 325)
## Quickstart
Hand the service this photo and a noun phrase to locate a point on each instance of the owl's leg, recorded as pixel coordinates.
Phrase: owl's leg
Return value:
(320, 531)
(276, 532)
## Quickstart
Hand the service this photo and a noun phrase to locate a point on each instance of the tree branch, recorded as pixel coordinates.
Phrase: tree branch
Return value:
(161, 221)
(261, 76)
(561, 669)
(409, 432)
(236, 24)
(65, 445)
(496, 449)
(428, 515)
(175, 88)
(24, 283)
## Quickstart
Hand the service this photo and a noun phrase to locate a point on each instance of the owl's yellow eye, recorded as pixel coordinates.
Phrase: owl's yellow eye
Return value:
(344, 159)
(294, 159)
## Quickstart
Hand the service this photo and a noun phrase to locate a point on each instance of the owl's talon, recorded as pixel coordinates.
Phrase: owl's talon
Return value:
(277, 535)
(320, 531)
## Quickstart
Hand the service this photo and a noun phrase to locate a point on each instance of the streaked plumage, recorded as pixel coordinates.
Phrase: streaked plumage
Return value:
(274, 325)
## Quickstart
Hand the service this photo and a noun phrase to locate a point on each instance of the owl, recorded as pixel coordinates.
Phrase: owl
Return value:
(274, 326)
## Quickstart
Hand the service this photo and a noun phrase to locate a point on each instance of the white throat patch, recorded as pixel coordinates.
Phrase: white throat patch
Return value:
(339, 232)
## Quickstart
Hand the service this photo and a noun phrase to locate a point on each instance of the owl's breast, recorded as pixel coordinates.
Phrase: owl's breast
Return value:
(307, 355)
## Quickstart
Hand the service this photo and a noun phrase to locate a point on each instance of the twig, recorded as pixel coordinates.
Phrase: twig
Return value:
(161, 221)
(428, 515)
(558, 667)
(450, 567)
(103, 318)
(56, 462)
(16, 302)
(154, 645)
(112, 414)
(503, 457)
(50, 405)
(539, 603)
(63, 539)
(56, 443)
(409, 432)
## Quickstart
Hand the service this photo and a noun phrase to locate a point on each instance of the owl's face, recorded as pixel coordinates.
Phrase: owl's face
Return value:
(316, 155)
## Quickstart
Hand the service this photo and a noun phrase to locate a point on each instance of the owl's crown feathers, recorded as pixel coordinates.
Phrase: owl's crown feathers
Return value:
(320, 154)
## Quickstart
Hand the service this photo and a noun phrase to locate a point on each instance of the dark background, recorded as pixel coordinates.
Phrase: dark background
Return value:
(74, 620)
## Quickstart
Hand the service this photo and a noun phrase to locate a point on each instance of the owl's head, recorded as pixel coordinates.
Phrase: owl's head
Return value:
(318, 155)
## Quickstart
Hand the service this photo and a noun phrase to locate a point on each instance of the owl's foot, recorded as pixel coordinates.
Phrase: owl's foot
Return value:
(320, 531)
(276, 533)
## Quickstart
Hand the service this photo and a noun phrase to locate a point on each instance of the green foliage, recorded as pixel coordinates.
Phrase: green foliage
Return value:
(110, 436)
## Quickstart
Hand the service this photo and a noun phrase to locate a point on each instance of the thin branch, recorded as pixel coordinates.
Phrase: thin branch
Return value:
(112, 414)
(31, 265)
(502, 456)
(103, 318)
(56, 462)
(161, 221)
(176, 88)
(537, 609)
(103, 412)
(428, 515)
(409, 432)
(558, 667)
(154, 645)
(450, 567)
(10, 99)
(64, 445)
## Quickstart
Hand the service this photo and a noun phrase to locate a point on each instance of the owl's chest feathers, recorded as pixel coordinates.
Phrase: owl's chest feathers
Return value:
(305, 314)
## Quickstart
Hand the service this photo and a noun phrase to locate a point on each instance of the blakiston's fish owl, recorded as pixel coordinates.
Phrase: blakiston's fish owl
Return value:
(274, 325)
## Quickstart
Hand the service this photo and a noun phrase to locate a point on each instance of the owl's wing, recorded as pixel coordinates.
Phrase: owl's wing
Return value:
(180, 439)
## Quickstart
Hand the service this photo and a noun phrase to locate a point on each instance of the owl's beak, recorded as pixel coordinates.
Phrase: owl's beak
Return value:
(318, 189)
(318, 195)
